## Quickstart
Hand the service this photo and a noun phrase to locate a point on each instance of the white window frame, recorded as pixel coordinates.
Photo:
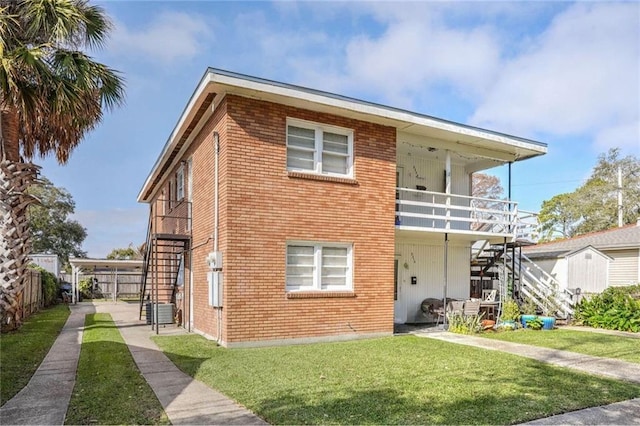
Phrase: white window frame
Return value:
(170, 191)
(317, 267)
(319, 130)
(180, 184)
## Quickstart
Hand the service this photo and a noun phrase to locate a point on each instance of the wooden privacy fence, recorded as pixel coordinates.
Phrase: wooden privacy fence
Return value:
(122, 285)
(32, 298)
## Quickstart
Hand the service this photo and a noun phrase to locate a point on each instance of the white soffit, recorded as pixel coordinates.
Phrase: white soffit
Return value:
(223, 82)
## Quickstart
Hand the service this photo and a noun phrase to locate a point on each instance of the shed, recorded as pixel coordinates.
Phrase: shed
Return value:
(587, 269)
(620, 245)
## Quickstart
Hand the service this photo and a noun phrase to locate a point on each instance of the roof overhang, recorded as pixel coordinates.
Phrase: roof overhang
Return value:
(215, 84)
(91, 265)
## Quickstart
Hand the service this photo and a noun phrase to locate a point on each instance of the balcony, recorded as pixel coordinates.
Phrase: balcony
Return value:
(462, 217)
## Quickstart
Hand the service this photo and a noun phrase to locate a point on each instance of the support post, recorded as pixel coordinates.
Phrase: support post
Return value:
(446, 276)
(620, 218)
(447, 188)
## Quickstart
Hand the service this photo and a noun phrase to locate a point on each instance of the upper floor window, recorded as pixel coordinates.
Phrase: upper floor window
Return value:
(319, 148)
(313, 266)
(180, 184)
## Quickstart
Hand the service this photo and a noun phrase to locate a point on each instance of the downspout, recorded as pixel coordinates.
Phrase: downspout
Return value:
(216, 218)
(514, 229)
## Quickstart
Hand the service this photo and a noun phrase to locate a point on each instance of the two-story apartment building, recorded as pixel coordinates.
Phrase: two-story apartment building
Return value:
(282, 214)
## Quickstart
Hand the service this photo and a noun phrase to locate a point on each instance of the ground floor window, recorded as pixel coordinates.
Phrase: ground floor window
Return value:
(319, 266)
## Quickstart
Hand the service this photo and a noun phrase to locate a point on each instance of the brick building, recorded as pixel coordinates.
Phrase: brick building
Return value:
(281, 214)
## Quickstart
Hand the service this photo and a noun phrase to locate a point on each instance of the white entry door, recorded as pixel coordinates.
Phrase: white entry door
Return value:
(399, 307)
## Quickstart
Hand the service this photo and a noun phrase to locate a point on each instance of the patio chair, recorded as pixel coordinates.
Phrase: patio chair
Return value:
(456, 307)
(489, 295)
(471, 307)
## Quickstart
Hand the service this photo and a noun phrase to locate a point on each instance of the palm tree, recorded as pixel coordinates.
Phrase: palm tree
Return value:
(51, 95)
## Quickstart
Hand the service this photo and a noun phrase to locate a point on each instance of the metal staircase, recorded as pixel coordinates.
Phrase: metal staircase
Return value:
(518, 275)
(167, 244)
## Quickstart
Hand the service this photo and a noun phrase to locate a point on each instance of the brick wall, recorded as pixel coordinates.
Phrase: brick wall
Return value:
(265, 206)
(262, 206)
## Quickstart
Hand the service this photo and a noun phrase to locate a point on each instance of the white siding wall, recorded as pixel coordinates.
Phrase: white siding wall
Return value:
(426, 263)
(588, 271)
(430, 174)
(624, 268)
(557, 268)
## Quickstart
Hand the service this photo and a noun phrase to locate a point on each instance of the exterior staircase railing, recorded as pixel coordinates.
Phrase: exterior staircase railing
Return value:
(540, 286)
(535, 282)
(145, 264)
(168, 236)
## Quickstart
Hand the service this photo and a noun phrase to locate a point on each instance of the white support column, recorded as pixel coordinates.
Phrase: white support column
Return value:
(115, 285)
(447, 188)
(74, 284)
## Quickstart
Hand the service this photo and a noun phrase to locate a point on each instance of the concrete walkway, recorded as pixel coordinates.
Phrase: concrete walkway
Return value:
(621, 413)
(184, 399)
(608, 367)
(45, 399)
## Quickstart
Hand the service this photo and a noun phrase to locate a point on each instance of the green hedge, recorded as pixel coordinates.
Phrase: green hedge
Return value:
(50, 285)
(616, 308)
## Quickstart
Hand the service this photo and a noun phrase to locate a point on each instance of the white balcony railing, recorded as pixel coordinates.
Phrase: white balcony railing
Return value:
(456, 213)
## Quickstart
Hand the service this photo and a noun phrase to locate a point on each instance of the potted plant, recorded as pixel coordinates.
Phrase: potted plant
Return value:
(548, 318)
(510, 313)
(529, 312)
(538, 318)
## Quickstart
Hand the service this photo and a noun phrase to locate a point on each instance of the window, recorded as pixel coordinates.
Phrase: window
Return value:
(180, 184)
(319, 149)
(180, 276)
(319, 267)
(170, 195)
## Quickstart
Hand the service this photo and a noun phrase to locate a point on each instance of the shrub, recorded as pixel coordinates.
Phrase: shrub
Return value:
(616, 308)
(50, 285)
(464, 324)
(510, 311)
(529, 307)
(85, 287)
(535, 323)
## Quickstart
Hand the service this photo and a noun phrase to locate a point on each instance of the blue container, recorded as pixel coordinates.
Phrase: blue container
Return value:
(548, 323)
(525, 318)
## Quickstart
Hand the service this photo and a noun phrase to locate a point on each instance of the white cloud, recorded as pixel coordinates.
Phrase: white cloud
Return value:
(579, 77)
(113, 228)
(411, 56)
(169, 37)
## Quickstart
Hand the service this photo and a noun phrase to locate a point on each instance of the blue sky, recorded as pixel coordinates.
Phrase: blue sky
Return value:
(562, 73)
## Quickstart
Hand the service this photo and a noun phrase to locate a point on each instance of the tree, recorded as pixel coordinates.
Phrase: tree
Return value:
(594, 205)
(128, 253)
(486, 186)
(51, 229)
(558, 217)
(51, 95)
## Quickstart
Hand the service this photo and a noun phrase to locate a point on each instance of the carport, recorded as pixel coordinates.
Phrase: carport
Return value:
(115, 268)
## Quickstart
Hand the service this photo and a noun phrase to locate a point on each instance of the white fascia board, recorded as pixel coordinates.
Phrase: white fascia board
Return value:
(400, 119)
(221, 81)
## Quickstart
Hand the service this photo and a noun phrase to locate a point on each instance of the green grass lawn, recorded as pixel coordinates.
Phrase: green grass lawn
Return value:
(22, 351)
(109, 388)
(584, 342)
(396, 380)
